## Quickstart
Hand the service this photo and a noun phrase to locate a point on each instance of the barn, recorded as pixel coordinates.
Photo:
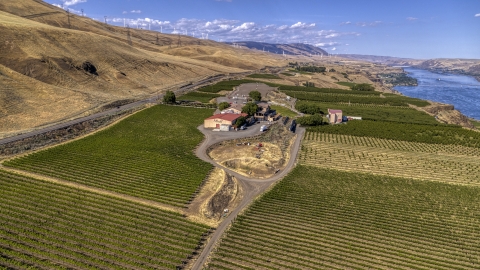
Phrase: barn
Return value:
(219, 120)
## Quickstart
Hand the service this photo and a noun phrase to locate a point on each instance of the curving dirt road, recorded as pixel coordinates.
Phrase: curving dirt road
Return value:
(252, 187)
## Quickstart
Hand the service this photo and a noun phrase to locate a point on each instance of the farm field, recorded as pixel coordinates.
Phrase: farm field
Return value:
(434, 162)
(198, 96)
(325, 219)
(377, 112)
(49, 226)
(391, 100)
(283, 111)
(148, 155)
(224, 86)
(264, 76)
(432, 134)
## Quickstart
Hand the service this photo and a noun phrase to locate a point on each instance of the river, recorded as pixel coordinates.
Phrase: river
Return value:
(463, 92)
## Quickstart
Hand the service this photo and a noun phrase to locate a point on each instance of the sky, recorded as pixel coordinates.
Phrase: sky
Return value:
(421, 29)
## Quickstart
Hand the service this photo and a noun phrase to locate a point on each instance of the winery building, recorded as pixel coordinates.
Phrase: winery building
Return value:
(219, 120)
(335, 116)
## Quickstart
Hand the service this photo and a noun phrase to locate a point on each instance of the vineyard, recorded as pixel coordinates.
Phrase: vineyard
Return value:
(393, 100)
(325, 219)
(439, 134)
(378, 112)
(198, 96)
(48, 226)
(224, 86)
(264, 76)
(434, 162)
(148, 155)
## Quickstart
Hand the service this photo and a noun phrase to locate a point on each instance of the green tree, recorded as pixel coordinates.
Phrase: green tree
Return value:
(310, 108)
(222, 106)
(169, 97)
(241, 121)
(250, 108)
(255, 95)
(363, 87)
(312, 120)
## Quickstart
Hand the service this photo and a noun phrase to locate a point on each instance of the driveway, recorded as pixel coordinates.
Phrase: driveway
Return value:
(251, 186)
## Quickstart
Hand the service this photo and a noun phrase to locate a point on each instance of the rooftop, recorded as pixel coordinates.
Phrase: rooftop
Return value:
(227, 116)
(334, 111)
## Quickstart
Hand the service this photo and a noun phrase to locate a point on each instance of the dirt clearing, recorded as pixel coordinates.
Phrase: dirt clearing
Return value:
(220, 192)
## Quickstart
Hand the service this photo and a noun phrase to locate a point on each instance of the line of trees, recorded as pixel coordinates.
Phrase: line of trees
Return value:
(312, 69)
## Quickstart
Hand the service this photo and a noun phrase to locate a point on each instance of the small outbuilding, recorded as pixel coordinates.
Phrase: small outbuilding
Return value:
(335, 116)
(263, 111)
(222, 120)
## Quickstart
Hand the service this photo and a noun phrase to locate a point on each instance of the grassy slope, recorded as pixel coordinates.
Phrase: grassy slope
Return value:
(47, 226)
(148, 155)
(325, 219)
(283, 111)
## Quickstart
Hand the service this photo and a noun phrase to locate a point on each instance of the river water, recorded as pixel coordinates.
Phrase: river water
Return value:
(463, 92)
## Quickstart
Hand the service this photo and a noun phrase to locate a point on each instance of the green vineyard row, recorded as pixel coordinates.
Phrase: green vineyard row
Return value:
(148, 155)
(47, 226)
(325, 219)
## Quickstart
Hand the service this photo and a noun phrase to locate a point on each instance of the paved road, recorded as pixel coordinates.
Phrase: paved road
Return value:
(252, 187)
(153, 99)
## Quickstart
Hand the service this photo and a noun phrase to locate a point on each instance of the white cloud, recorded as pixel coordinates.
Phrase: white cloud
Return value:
(67, 3)
(477, 15)
(302, 25)
(136, 11)
(333, 49)
(234, 30)
(412, 19)
(244, 27)
(346, 23)
(371, 24)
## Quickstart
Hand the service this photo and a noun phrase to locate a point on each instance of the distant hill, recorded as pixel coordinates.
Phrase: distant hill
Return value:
(290, 49)
(469, 67)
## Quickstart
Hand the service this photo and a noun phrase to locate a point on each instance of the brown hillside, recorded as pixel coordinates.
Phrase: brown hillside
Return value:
(49, 72)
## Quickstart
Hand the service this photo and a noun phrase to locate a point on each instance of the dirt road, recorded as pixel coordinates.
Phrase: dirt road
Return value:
(252, 187)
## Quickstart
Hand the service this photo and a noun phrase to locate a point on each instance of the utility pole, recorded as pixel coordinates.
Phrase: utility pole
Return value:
(82, 12)
(68, 16)
(129, 38)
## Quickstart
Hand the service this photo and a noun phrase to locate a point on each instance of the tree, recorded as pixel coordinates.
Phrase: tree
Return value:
(255, 95)
(312, 120)
(169, 97)
(309, 108)
(309, 84)
(250, 108)
(222, 106)
(363, 87)
(241, 121)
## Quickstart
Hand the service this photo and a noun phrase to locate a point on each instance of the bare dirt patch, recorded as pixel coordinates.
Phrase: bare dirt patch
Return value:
(260, 157)
(221, 191)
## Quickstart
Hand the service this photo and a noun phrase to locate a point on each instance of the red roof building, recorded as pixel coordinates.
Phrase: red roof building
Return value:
(218, 120)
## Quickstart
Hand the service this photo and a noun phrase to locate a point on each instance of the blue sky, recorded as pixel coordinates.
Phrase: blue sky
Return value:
(407, 28)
